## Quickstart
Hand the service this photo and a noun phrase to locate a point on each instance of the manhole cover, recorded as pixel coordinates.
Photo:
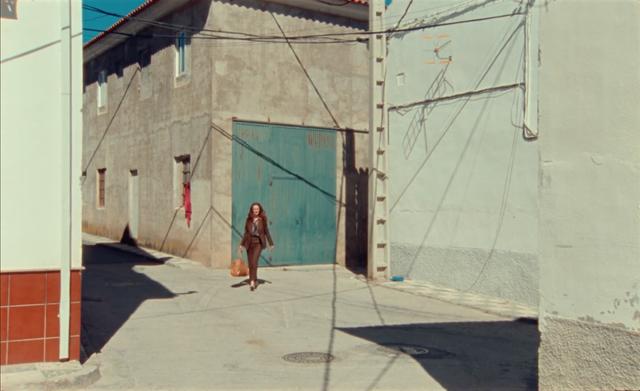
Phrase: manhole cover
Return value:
(413, 350)
(308, 357)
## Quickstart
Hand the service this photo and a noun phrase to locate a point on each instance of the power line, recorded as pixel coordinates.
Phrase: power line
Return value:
(95, 9)
(345, 2)
(169, 26)
(224, 38)
(291, 39)
(304, 69)
(180, 27)
(404, 14)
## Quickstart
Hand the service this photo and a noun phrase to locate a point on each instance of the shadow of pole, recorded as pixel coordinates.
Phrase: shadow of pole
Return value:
(332, 333)
(383, 372)
(166, 235)
(374, 301)
(195, 235)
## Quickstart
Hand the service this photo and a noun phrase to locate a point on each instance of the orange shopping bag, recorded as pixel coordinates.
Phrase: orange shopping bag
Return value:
(238, 268)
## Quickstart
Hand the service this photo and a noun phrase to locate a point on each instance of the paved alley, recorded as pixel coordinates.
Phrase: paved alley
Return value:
(180, 326)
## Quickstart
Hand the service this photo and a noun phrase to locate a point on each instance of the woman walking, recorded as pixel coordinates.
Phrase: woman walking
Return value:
(255, 239)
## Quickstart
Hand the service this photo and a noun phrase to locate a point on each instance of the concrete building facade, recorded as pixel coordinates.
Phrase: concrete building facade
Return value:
(158, 116)
(588, 192)
(41, 146)
(464, 169)
(524, 172)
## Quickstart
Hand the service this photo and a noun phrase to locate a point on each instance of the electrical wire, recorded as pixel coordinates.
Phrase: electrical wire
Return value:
(246, 36)
(200, 31)
(223, 38)
(170, 26)
(289, 31)
(304, 69)
(345, 2)
(403, 14)
(291, 39)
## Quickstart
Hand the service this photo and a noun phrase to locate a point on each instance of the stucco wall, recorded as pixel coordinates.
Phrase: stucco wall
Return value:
(264, 82)
(151, 118)
(589, 192)
(463, 177)
(245, 80)
(41, 138)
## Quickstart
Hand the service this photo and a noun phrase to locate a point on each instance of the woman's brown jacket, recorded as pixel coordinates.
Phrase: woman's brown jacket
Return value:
(263, 233)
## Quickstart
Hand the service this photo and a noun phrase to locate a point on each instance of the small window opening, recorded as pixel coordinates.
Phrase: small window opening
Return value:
(102, 173)
(181, 54)
(102, 89)
(182, 185)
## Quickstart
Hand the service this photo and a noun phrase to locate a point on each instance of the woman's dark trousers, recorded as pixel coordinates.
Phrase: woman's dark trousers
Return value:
(253, 253)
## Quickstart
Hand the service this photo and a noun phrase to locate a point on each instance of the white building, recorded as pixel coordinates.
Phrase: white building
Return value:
(464, 173)
(41, 140)
(515, 169)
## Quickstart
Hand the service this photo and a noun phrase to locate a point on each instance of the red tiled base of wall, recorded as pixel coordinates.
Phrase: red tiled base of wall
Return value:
(29, 323)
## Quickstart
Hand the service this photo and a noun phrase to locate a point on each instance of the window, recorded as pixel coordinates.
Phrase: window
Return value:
(182, 186)
(102, 89)
(102, 172)
(181, 54)
(181, 178)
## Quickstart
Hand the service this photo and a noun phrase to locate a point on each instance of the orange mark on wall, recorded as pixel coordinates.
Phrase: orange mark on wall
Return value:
(318, 140)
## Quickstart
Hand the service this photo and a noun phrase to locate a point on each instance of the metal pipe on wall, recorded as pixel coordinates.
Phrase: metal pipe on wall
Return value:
(66, 164)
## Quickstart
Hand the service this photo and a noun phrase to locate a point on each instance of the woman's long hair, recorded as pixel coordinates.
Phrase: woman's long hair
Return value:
(262, 213)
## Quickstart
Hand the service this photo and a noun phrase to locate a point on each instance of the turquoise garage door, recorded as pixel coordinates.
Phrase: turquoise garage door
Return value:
(291, 171)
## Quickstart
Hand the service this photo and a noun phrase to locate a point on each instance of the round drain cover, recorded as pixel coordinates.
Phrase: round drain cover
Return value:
(413, 350)
(308, 357)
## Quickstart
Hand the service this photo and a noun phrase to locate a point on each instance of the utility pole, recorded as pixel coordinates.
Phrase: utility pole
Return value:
(378, 246)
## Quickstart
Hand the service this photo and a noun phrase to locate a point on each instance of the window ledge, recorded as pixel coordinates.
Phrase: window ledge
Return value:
(182, 80)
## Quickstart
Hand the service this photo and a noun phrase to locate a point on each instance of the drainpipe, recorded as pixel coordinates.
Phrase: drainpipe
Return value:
(66, 134)
(530, 106)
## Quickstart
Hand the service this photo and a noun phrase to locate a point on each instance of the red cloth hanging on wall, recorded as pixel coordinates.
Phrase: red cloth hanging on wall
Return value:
(186, 194)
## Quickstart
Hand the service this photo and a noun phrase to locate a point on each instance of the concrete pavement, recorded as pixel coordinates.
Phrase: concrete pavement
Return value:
(48, 376)
(158, 326)
(175, 325)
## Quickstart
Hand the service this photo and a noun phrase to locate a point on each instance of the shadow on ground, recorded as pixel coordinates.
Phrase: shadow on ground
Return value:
(246, 282)
(111, 292)
(462, 356)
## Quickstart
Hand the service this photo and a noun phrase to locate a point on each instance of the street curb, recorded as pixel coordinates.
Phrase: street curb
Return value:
(82, 379)
(486, 304)
(42, 376)
(153, 255)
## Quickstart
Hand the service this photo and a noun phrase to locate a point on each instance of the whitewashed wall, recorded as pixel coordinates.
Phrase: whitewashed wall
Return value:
(463, 177)
(40, 172)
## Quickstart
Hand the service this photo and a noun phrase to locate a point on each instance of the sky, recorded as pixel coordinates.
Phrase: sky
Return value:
(95, 20)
